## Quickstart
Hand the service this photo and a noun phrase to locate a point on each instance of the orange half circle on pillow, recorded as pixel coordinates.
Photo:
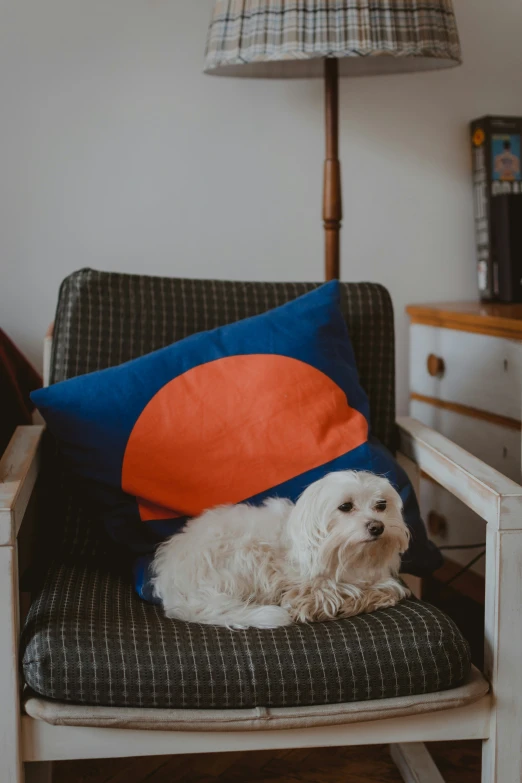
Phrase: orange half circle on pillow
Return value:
(149, 511)
(229, 429)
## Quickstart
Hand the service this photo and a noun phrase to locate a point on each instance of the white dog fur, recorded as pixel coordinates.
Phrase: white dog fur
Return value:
(335, 553)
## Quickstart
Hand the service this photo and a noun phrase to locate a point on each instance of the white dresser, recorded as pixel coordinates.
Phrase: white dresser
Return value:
(466, 382)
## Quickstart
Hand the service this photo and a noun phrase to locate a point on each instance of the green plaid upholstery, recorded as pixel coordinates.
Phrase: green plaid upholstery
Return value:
(89, 639)
(289, 37)
(105, 318)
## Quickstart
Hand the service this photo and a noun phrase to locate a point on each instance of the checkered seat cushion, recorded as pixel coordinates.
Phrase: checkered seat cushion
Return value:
(89, 639)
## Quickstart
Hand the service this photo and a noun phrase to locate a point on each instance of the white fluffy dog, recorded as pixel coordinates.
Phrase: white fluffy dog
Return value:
(335, 553)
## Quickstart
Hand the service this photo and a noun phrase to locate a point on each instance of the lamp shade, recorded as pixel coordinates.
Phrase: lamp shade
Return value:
(291, 38)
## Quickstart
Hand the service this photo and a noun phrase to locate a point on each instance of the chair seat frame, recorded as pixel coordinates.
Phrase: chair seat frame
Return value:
(29, 746)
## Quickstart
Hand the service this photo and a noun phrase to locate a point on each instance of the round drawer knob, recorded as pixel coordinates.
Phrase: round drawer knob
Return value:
(437, 524)
(435, 365)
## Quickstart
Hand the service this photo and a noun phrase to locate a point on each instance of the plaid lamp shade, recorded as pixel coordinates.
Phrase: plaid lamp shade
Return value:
(289, 38)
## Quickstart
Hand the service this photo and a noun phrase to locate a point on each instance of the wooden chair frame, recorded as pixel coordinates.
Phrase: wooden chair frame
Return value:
(28, 747)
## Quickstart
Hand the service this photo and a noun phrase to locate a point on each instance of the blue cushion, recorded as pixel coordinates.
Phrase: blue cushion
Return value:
(258, 408)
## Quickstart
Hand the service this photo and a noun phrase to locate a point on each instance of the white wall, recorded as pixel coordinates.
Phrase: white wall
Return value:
(118, 153)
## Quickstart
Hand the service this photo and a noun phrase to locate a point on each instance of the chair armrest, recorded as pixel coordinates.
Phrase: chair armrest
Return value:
(47, 352)
(491, 495)
(18, 473)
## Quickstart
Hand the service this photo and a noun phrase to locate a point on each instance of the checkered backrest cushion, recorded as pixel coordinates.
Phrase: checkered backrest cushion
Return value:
(105, 318)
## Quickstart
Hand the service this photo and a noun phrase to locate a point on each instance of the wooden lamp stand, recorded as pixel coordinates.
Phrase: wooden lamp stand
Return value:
(332, 199)
(270, 40)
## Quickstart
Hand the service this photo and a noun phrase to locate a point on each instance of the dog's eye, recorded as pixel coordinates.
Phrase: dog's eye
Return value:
(380, 505)
(346, 507)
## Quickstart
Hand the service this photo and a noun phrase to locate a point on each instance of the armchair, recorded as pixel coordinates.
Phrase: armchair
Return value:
(74, 706)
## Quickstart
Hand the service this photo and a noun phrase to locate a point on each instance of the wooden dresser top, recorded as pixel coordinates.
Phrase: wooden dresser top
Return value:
(497, 320)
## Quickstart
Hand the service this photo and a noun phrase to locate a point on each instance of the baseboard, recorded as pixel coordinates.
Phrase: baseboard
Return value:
(470, 584)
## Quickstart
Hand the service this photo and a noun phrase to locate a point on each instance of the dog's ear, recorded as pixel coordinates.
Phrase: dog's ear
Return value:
(307, 526)
(396, 498)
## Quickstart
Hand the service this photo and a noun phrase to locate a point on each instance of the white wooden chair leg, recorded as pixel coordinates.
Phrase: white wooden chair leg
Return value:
(11, 768)
(39, 772)
(501, 753)
(415, 764)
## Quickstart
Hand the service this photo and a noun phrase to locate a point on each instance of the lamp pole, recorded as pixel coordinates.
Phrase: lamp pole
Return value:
(332, 199)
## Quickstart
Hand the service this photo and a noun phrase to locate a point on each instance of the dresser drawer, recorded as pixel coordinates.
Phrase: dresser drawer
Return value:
(496, 445)
(470, 369)
(463, 526)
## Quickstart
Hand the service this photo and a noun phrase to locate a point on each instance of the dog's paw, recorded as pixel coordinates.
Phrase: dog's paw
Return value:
(306, 612)
(382, 601)
(349, 608)
(384, 596)
(274, 617)
(265, 617)
(270, 617)
(312, 602)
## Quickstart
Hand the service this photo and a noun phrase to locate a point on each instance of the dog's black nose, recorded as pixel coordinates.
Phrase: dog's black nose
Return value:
(375, 528)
